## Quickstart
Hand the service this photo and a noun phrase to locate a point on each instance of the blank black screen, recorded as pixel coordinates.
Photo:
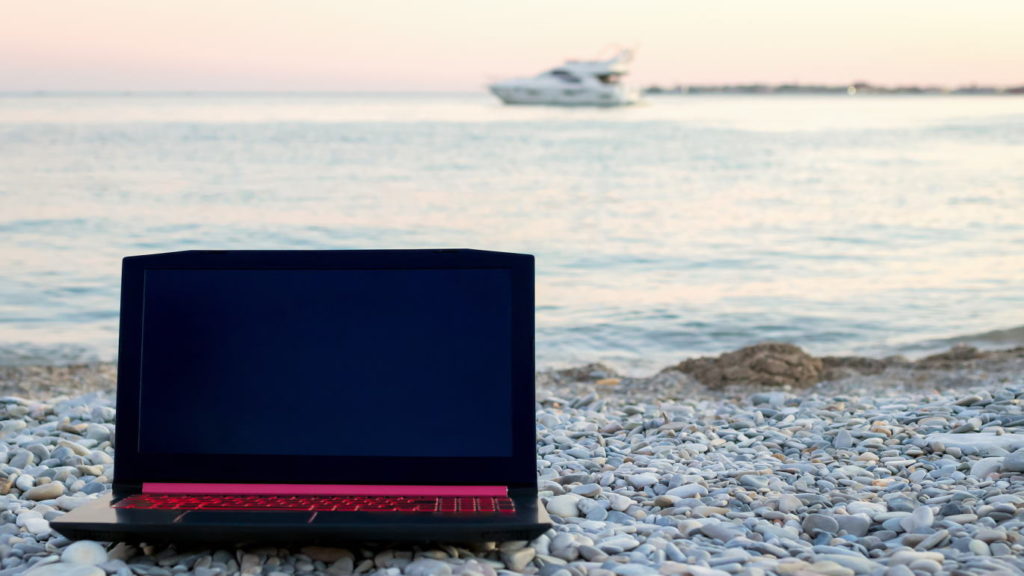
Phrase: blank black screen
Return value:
(399, 363)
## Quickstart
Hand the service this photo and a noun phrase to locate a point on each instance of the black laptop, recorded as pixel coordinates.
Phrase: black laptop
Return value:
(323, 396)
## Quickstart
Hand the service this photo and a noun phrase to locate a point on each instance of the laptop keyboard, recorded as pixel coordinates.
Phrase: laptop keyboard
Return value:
(442, 504)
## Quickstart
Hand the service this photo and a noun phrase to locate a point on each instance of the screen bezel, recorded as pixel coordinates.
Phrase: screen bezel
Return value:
(133, 467)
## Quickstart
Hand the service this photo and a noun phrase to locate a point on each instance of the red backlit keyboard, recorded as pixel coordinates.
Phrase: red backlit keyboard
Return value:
(443, 504)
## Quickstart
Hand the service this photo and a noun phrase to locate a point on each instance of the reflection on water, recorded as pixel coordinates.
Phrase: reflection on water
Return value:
(691, 225)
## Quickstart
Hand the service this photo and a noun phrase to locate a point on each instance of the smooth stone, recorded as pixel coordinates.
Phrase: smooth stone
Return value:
(619, 502)
(901, 504)
(618, 544)
(855, 524)
(1014, 462)
(24, 482)
(910, 556)
(84, 552)
(47, 491)
(597, 513)
(789, 503)
(961, 518)
(97, 432)
(999, 549)
(899, 570)
(634, 570)
(428, 567)
(706, 511)
(74, 447)
(985, 467)
(326, 554)
(829, 568)
(588, 490)
(753, 482)
(100, 457)
(669, 568)
(640, 481)
(990, 535)
(921, 518)
(36, 525)
(930, 566)
(94, 487)
(22, 459)
(871, 509)
(71, 502)
(688, 491)
(562, 546)
(666, 501)
(579, 453)
(673, 553)
(843, 440)
(719, 531)
(933, 540)
(858, 564)
(342, 566)
(815, 524)
(517, 560)
(978, 440)
(63, 569)
(564, 505)
(616, 517)
(979, 548)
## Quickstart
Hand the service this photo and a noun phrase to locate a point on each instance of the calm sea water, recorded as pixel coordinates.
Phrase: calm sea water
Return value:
(687, 226)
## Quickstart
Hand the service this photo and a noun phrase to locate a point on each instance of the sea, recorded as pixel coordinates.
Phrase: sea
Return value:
(684, 226)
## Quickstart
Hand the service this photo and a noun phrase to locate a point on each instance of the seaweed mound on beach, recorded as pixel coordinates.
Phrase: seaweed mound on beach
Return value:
(779, 365)
(772, 364)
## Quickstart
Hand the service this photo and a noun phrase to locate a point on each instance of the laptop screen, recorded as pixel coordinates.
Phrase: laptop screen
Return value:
(322, 362)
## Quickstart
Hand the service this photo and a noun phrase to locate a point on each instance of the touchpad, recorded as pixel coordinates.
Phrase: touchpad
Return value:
(232, 518)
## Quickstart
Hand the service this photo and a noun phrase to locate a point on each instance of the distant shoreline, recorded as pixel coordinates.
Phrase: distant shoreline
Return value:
(741, 369)
(854, 89)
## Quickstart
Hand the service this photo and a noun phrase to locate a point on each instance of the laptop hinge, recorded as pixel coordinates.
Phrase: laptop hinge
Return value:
(320, 489)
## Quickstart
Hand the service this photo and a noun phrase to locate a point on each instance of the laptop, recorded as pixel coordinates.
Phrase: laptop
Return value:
(323, 396)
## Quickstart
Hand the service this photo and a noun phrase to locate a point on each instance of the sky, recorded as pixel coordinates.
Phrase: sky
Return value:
(456, 45)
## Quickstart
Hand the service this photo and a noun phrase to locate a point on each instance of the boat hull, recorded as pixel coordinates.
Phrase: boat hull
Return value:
(534, 96)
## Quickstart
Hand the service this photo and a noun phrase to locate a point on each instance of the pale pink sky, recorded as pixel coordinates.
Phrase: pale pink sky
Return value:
(461, 44)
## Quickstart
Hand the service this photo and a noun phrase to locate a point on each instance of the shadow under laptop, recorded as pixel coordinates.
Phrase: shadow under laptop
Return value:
(342, 557)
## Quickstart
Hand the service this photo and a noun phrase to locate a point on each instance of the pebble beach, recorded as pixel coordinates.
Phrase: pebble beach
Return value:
(760, 462)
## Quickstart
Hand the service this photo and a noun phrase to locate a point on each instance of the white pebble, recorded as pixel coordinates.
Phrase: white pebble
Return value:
(84, 552)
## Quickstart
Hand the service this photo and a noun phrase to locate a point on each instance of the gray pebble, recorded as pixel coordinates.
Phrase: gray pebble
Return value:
(855, 524)
(999, 549)
(843, 440)
(815, 524)
(588, 490)
(618, 544)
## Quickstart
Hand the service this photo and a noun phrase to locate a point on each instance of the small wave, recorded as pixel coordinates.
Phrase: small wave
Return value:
(1008, 337)
(26, 354)
(992, 339)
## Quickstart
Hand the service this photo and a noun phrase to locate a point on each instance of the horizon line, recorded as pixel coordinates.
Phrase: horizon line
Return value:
(483, 88)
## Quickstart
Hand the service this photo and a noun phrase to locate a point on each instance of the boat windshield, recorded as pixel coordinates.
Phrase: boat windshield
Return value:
(611, 78)
(564, 76)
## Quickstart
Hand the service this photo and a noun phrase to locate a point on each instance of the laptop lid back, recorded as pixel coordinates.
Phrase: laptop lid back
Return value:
(327, 367)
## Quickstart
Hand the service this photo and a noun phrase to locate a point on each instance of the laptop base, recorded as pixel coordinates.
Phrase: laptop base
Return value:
(101, 521)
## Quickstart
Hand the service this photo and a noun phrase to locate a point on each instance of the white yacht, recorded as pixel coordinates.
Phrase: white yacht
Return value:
(575, 83)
